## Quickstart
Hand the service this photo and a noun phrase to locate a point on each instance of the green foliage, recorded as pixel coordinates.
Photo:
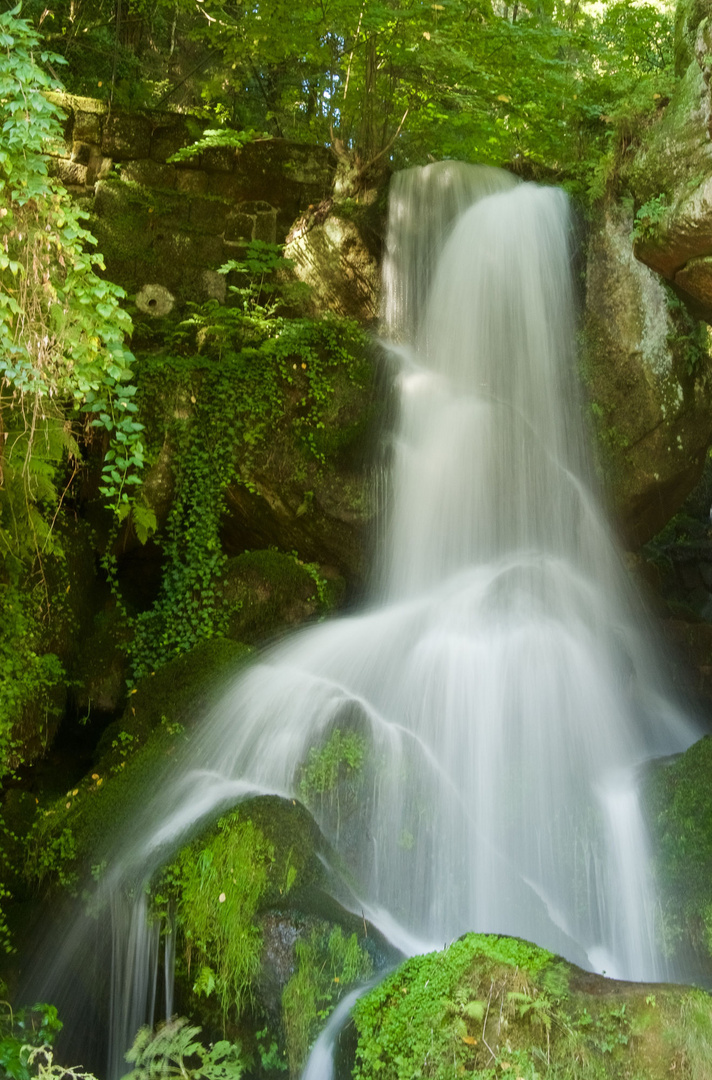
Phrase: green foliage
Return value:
(549, 84)
(215, 139)
(239, 369)
(271, 1058)
(22, 1034)
(649, 216)
(29, 674)
(214, 889)
(64, 380)
(554, 88)
(341, 756)
(488, 1007)
(62, 328)
(328, 965)
(403, 1020)
(174, 1050)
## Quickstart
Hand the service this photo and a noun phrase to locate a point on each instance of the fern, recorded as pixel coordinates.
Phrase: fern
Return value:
(174, 1050)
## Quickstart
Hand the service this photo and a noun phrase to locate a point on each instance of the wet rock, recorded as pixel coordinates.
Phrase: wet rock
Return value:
(679, 809)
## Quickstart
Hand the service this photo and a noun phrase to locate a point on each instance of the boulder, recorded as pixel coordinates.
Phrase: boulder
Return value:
(490, 1006)
(261, 949)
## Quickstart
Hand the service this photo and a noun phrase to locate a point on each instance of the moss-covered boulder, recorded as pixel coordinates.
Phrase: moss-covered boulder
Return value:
(262, 952)
(679, 798)
(269, 592)
(489, 1007)
(648, 372)
(75, 834)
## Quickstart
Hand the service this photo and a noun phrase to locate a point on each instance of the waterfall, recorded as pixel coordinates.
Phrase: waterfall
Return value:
(505, 695)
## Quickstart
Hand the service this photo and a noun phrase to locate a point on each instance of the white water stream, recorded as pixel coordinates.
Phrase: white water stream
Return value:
(505, 693)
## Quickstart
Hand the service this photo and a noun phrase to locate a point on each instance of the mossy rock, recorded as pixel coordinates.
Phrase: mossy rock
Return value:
(210, 894)
(154, 235)
(176, 695)
(77, 833)
(100, 669)
(268, 592)
(679, 800)
(47, 649)
(670, 175)
(316, 501)
(260, 945)
(490, 1006)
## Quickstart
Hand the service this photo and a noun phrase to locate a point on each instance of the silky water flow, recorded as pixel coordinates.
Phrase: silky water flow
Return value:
(505, 694)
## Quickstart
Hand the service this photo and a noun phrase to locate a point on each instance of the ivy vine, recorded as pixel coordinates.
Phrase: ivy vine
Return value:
(234, 371)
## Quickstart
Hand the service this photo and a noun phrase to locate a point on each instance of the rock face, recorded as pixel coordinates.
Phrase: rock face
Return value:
(166, 226)
(647, 359)
(331, 253)
(671, 176)
(647, 368)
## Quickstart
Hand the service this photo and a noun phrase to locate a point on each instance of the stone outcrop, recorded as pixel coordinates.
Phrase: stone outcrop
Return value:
(648, 282)
(331, 253)
(647, 369)
(671, 176)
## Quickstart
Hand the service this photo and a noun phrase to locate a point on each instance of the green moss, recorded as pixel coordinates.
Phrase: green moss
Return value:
(331, 781)
(78, 832)
(213, 889)
(253, 858)
(268, 590)
(679, 798)
(673, 158)
(338, 761)
(488, 1007)
(175, 695)
(328, 964)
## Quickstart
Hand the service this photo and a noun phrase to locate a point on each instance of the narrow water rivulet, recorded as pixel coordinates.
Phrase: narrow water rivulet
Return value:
(507, 697)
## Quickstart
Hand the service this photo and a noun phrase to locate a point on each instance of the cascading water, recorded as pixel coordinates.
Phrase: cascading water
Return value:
(505, 695)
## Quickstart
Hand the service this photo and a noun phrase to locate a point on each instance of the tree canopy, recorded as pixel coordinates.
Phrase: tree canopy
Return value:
(547, 86)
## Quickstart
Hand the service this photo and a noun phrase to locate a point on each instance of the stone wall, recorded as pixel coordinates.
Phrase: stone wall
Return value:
(165, 228)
